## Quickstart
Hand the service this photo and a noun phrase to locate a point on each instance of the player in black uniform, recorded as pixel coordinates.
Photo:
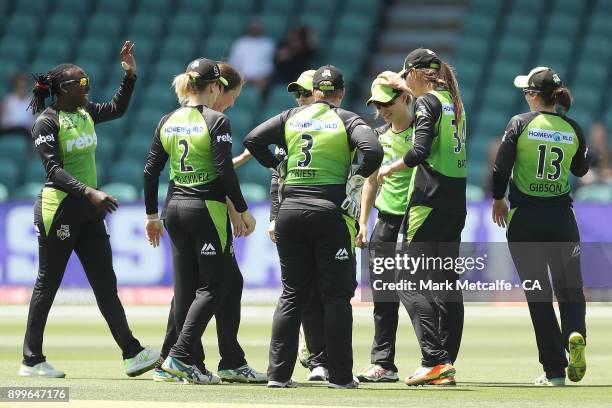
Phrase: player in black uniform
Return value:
(538, 151)
(315, 240)
(197, 141)
(69, 213)
(436, 211)
(311, 354)
(233, 366)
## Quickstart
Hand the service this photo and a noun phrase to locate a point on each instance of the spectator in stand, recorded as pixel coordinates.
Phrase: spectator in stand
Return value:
(600, 157)
(14, 117)
(253, 54)
(294, 54)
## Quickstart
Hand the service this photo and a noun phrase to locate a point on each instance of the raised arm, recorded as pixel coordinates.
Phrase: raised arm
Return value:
(103, 112)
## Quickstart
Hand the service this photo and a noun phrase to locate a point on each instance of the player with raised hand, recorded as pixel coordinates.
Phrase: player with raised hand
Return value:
(314, 238)
(233, 366)
(69, 213)
(436, 210)
(539, 150)
(391, 201)
(198, 143)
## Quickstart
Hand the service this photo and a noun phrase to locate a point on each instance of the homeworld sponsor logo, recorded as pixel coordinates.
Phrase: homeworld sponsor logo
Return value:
(312, 124)
(43, 139)
(208, 250)
(550, 136)
(342, 255)
(448, 109)
(183, 129)
(63, 232)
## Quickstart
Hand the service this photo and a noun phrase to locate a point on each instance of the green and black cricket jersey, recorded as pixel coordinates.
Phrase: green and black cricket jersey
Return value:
(66, 142)
(320, 141)
(537, 154)
(438, 155)
(197, 141)
(393, 195)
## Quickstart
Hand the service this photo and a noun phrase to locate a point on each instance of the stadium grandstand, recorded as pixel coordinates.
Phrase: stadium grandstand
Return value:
(488, 42)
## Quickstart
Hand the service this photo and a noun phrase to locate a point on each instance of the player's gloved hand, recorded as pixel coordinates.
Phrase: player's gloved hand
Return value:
(100, 199)
(281, 170)
(352, 202)
(281, 173)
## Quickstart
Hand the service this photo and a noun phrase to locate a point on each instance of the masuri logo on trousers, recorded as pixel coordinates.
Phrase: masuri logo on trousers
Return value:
(208, 249)
(342, 255)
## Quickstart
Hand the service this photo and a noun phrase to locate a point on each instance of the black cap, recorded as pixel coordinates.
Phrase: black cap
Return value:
(420, 58)
(328, 78)
(541, 79)
(208, 70)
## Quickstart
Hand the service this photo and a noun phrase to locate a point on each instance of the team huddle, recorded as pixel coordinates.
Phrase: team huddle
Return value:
(328, 170)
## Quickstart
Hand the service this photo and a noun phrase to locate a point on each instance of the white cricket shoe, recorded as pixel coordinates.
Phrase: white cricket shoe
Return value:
(287, 384)
(318, 374)
(141, 362)
(43, 369)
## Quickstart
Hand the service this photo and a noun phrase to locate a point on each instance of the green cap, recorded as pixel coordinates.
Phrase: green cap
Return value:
(381, 93)
(304, 81)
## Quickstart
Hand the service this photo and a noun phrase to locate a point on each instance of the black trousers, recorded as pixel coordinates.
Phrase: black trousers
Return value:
(543, 240)
(316, 251)
(201, 237)
(63, 226)
(314, 332)
(382, 240)
(437, 315)
(228, 321)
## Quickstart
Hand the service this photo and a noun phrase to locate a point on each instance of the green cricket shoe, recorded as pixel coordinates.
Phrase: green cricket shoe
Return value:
(161, 376)
(244, 374)
(550, 382)
(189, 373)
(577, 359)
(141, 362)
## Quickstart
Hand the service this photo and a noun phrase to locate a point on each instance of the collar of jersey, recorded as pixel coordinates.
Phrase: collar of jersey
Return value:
(326, 103)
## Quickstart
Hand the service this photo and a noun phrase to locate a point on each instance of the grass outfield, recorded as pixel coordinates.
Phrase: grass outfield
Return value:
(498, 362)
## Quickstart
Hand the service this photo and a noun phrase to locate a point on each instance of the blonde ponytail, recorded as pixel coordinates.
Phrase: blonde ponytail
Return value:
(187, 84)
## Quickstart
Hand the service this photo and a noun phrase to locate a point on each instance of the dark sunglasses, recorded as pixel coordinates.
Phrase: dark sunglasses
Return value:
(305, 93)
(82, 82)
(530, 91)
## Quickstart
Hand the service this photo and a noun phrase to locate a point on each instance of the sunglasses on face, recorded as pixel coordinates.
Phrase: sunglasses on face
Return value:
(304, 93)
(530, 91)
(82, 82)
